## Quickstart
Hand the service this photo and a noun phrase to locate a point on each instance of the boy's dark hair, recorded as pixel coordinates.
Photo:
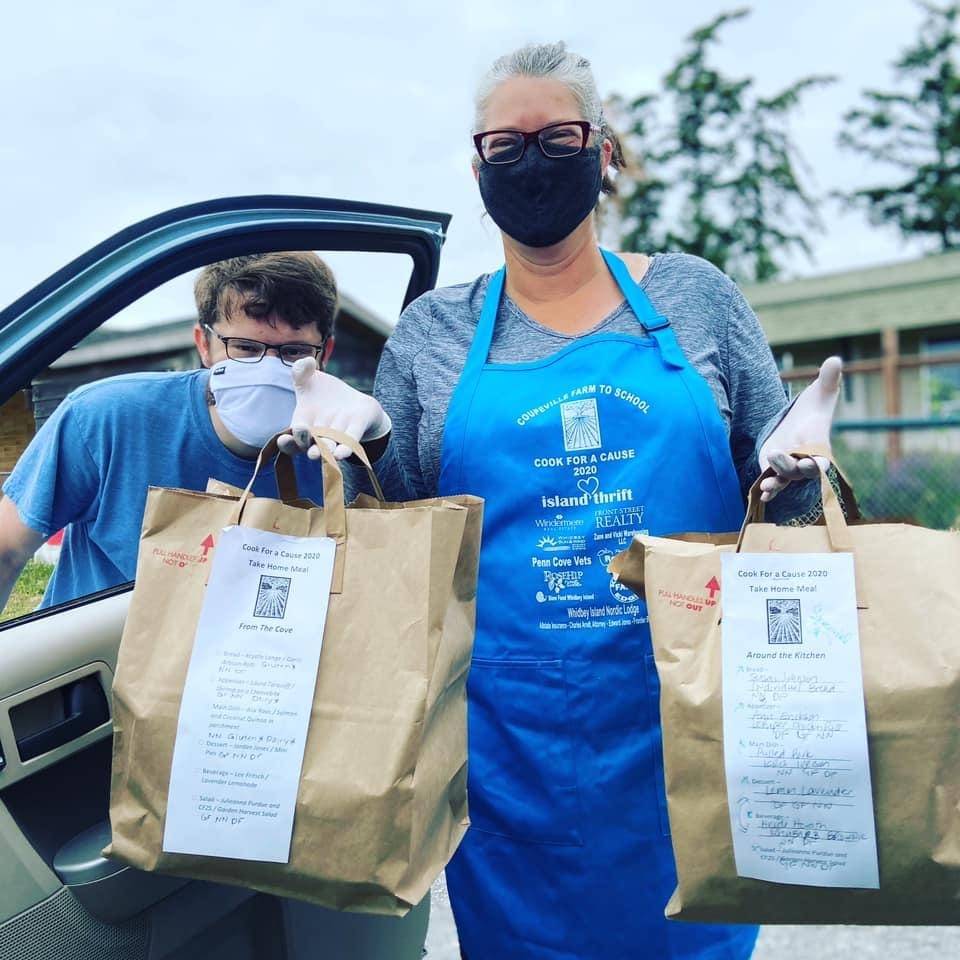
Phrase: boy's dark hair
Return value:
(298, 287)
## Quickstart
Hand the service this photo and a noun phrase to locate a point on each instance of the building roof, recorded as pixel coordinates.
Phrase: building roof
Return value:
(107, 344)
(364, 315)
(909, 294)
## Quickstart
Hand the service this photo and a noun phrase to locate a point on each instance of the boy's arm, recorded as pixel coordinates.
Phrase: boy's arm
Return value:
(18, 543)
(55, 482)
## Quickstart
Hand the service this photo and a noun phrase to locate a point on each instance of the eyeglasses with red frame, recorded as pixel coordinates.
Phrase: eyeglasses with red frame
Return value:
(557, 140)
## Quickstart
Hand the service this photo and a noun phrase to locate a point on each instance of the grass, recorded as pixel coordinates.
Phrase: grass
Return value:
(28, 590)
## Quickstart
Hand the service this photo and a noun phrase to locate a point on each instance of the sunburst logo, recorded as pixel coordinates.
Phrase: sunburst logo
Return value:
(581, 425)
(272, 597)
(783, 621)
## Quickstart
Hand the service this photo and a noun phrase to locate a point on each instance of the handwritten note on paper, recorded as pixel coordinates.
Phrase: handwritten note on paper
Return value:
(794, 728)
(248, 695)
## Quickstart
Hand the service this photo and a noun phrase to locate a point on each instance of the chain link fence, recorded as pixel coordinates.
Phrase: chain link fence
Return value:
(896, 433)
(906, 473)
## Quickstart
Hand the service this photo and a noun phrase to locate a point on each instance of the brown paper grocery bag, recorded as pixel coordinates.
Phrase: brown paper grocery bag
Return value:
(382, 800)
(908, 586)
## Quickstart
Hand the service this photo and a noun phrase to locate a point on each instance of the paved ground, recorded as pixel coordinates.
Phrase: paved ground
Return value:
(776, 943)
(441, 934)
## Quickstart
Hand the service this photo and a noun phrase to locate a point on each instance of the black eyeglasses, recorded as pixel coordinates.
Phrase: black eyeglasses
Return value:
(557, 140)
(253, 351)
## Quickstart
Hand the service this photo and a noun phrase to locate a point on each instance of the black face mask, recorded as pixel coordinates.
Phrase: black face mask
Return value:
(539, 200)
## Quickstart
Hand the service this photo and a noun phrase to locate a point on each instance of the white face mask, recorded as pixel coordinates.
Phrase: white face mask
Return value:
(254, 400)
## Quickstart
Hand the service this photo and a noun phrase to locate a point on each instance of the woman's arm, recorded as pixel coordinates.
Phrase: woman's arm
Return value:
(398, 468)
(758, 403)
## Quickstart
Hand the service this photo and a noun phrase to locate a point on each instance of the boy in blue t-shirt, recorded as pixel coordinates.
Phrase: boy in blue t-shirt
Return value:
(88, 468)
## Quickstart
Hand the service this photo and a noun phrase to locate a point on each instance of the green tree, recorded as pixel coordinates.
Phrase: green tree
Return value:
(718, 172)
(768, 199)
(701, 146)
(635, 218)
(916, 130)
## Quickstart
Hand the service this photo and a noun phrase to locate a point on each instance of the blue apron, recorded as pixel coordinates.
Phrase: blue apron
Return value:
(568, 856)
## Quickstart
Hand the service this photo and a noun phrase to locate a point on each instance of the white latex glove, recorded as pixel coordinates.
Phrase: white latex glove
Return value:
(325, 401)
(806, 424)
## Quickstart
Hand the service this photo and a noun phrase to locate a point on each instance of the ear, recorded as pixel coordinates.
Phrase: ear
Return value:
(327, 352)
(475, 167)
(606, 152)
(203, 347)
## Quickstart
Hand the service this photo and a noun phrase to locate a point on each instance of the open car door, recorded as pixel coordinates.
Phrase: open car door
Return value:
(58, 896)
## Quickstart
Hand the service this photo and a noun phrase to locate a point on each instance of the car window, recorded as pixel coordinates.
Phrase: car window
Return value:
(154, 335)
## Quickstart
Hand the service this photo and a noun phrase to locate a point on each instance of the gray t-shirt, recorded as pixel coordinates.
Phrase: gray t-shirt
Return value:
(715, 327)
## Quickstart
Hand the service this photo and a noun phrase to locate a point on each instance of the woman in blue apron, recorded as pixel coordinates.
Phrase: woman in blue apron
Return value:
(586, 397)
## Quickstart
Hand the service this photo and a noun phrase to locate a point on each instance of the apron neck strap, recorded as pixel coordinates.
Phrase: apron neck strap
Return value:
(480, 346)
(656, 325)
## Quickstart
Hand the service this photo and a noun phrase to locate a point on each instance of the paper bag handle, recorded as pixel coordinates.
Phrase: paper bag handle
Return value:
(287, 478)
(837, 530)
(334, 508)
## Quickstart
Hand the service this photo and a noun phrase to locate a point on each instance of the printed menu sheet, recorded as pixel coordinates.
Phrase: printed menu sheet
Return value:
(794, 728)
(248, 695)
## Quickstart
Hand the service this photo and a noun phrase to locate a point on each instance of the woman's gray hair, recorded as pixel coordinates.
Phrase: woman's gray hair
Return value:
(552, 61)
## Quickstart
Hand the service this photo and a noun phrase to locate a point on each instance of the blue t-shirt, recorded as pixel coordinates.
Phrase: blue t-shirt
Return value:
(89, 466)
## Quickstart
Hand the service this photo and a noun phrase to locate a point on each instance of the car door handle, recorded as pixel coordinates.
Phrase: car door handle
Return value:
(58, 716)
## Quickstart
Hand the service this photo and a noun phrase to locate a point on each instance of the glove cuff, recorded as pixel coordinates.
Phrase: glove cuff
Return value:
(378, 429)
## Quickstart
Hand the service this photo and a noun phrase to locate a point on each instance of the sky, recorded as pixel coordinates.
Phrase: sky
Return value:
(116, 111)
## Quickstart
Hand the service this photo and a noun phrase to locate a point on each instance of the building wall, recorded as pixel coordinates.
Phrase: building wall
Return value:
(50, 387)
(355, 354)
(16, 429)
(925, 392)
(863, 396)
